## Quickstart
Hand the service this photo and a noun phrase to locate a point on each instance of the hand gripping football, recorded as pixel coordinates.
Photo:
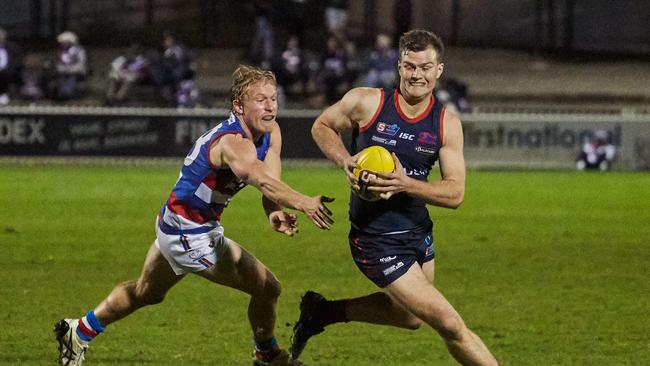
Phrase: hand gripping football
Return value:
(371, 160)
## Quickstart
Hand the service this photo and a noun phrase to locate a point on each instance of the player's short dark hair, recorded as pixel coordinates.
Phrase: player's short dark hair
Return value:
(243, 77)
(417, 40)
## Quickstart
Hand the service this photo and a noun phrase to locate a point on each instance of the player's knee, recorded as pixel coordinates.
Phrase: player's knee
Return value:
(269, 287)
(450, 327)
(144, 295)
(273, 287)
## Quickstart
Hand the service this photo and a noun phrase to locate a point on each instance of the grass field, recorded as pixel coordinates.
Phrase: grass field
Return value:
(549, 268)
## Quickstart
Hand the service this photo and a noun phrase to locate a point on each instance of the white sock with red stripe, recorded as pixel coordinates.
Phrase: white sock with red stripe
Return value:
(89, 327)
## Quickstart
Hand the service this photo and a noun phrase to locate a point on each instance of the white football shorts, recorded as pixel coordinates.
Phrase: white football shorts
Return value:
(191, 252)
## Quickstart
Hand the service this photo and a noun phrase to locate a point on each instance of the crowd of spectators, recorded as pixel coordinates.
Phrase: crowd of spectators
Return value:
(37, 78)
(34, 77)
(314, 76)
(325, 72)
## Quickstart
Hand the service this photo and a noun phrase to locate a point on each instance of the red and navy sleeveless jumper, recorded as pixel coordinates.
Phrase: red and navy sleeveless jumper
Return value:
(416, 142)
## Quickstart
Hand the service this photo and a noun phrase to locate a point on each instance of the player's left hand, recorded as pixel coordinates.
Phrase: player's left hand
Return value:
(348, 166)
(388, 184)
(317, 212)
(284, 222)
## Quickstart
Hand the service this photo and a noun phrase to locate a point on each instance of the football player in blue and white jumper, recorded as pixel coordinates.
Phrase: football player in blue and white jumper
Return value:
(242, 150)
(391, 240)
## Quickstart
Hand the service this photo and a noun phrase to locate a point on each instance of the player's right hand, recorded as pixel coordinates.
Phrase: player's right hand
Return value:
(389, 184)
(284, 222)
(317, 212)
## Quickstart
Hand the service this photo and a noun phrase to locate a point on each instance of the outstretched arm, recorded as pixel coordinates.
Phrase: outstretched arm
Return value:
(274, 164)
(238, 154)
(280, 220)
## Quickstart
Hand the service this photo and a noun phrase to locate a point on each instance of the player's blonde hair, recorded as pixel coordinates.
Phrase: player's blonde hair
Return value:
(243, 77)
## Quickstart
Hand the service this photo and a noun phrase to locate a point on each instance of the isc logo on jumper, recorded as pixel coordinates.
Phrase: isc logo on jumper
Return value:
(406, 136)
(387, 129)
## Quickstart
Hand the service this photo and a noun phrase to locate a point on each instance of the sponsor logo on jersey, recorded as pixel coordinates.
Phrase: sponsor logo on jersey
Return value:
(416, 172)
(427, 138)
(406, 136)
(426, 150)
(387, 129)
(383, 140)
(387, 259)
(393, 268)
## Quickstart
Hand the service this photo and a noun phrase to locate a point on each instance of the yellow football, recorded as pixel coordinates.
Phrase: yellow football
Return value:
(371, 160)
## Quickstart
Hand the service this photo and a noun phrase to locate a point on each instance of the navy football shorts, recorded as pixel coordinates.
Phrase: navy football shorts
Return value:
(385, 258)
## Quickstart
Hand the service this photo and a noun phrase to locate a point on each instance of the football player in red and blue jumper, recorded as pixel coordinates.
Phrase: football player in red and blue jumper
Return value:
(391, 240)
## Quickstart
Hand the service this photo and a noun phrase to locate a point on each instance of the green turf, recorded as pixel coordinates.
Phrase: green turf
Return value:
(549, 268)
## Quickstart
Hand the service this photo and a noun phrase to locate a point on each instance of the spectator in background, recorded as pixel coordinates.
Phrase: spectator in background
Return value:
(355, 63)
(71, 65)
(187, 94)
(33, 78)
(292, 15)
(402, 11)
(382, 64)
(289, 70)
(597, 154)
(9, 66)
(336, 16)
(453, 94)
(262, 45)
(125, 71)
(334, 70)
(172, 66)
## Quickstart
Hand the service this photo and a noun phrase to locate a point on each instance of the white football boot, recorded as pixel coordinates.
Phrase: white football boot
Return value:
(72, 350)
